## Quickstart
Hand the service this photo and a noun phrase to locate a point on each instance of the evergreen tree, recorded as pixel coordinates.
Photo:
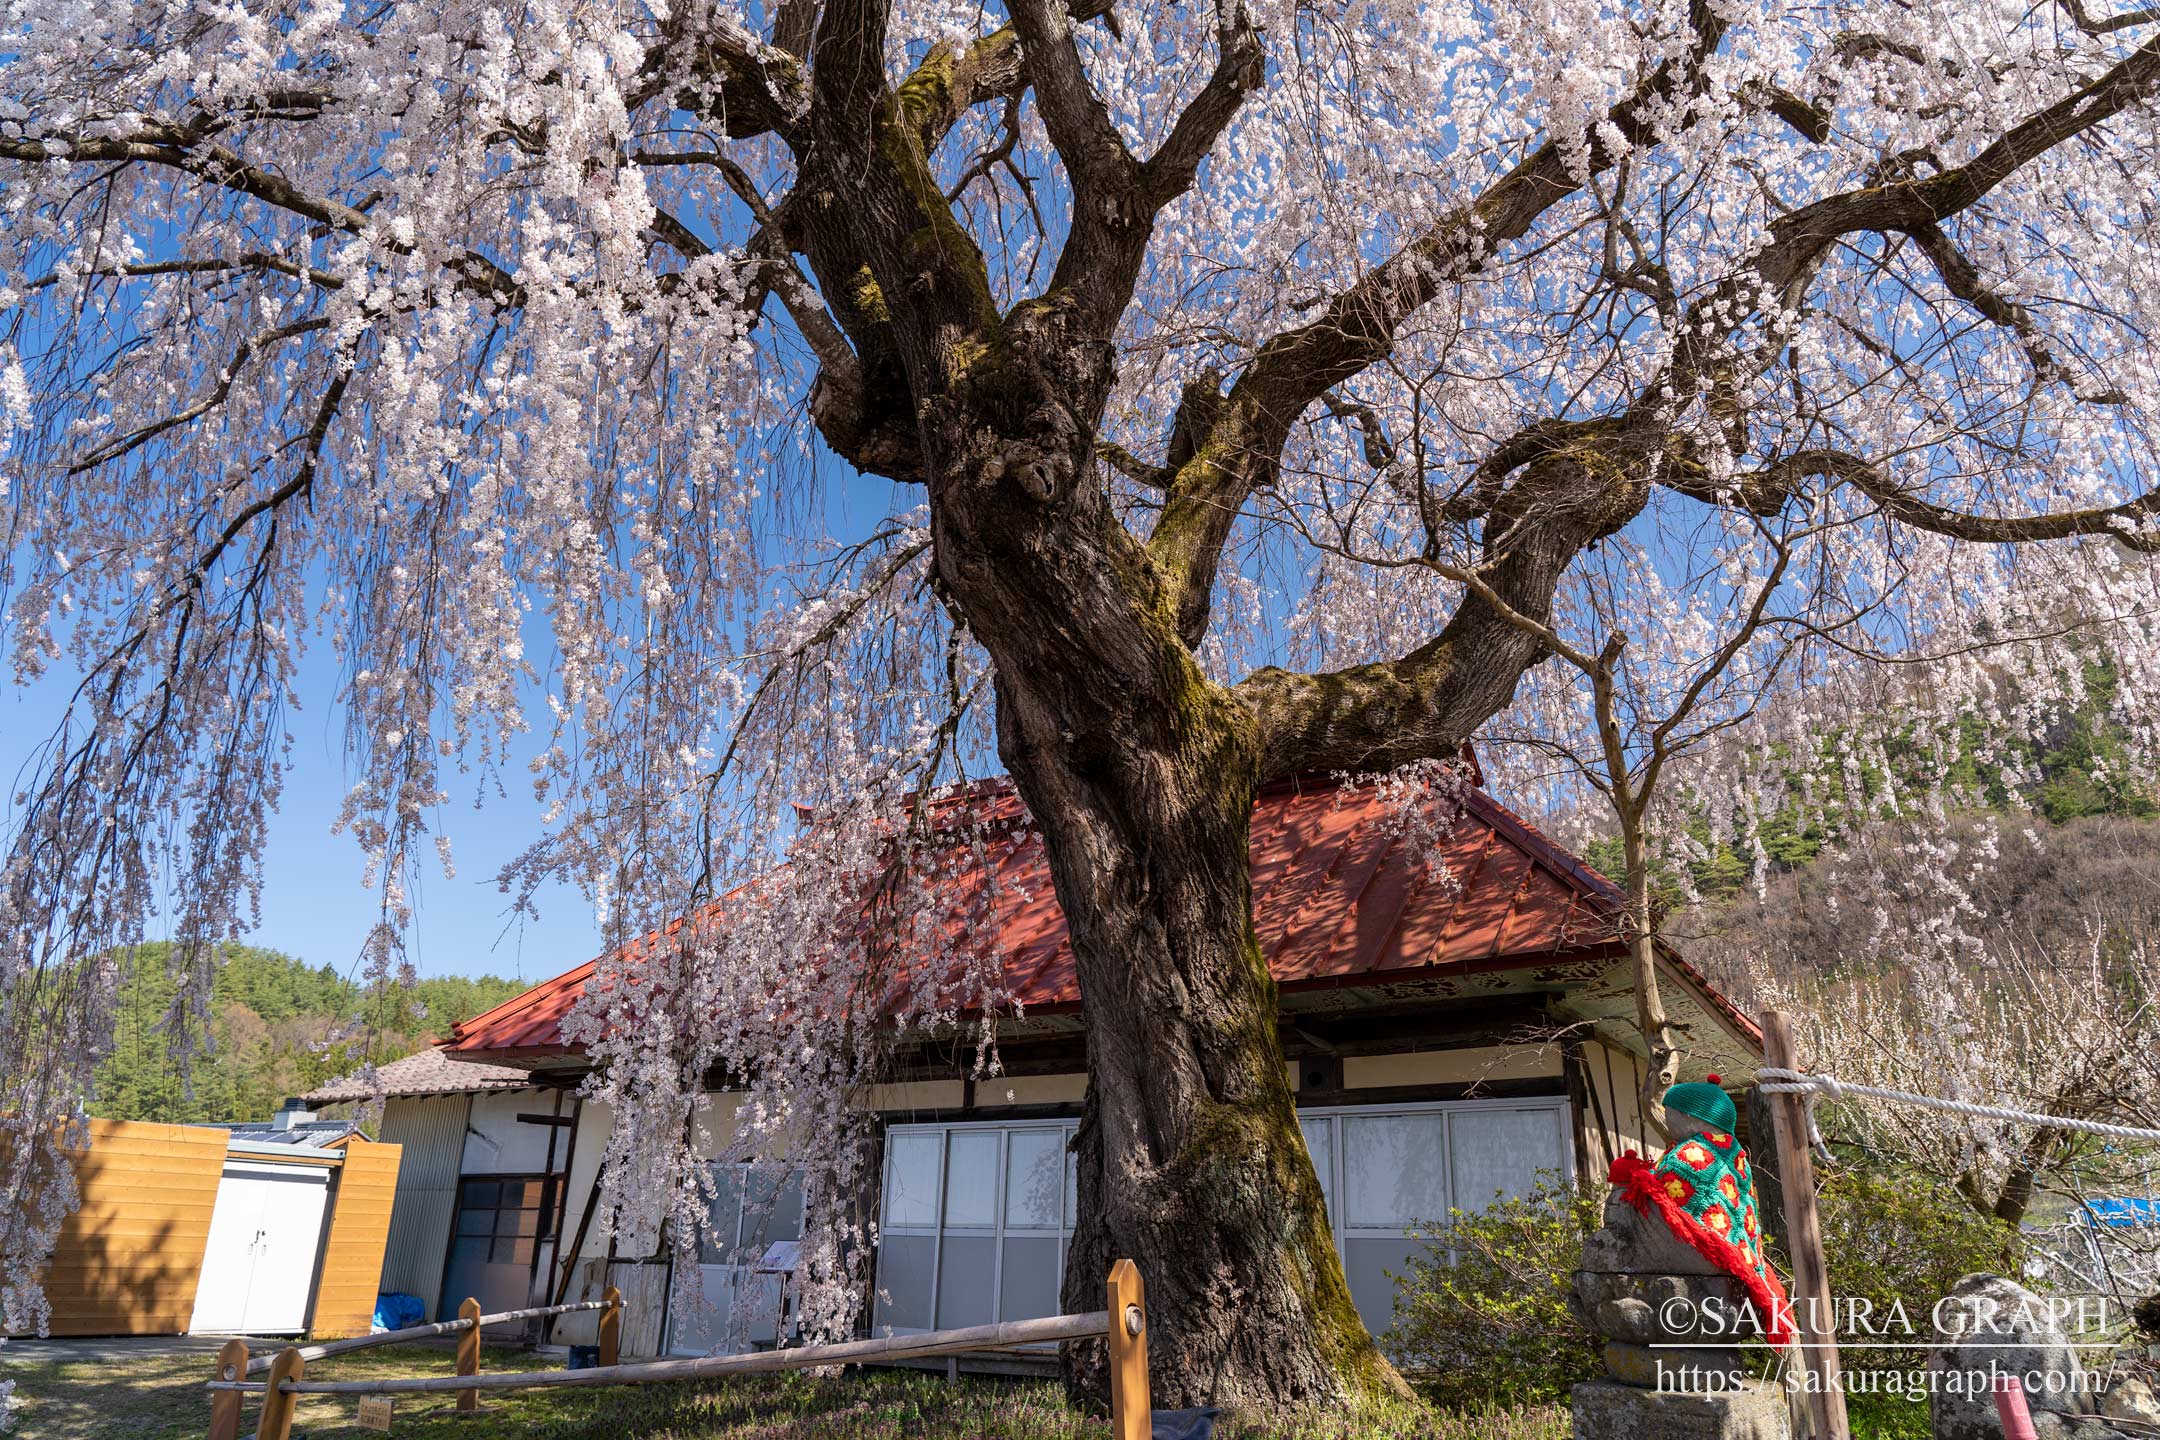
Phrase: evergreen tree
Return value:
(274, 1026)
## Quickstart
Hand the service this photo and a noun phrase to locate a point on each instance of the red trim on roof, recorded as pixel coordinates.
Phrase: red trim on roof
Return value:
(1339, 899)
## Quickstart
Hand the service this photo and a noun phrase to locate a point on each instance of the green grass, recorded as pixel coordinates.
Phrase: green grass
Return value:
(161, 1398)
(1887, 1417)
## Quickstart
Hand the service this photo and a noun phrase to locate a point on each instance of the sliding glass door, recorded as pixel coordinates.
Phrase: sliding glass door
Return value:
(975, 1217)
(1389, 1171)
(973, 1225)
(738, 1309)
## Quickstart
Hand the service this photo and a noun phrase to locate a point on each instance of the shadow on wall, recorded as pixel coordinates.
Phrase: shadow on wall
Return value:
(129, 1259)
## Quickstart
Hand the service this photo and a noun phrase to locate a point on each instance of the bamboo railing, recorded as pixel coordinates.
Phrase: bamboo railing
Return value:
(422, 1332)
(1123, 1323)
(228, 1385)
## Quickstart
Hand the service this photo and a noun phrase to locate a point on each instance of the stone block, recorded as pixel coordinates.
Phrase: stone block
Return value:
(1671, 1367)
(1987, 1326)
(2132, 1398)
(1634, 1243)
(1608, 1410)
(1638, 1308)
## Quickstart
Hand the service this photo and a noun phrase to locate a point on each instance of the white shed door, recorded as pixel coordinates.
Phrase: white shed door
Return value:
(259, 1265)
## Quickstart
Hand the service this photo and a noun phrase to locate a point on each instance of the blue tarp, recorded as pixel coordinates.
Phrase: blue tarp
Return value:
(1183, 1424)
(2123, 1210)
(396, 1311)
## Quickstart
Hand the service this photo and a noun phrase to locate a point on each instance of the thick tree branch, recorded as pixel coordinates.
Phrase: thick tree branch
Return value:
(2134, 523)
(1294, 369)
(732, 78)
(1240, 67)
(2108, 24)
(1961, 277)
(1799, 242)
(1116, 197)
(1426, 703)
(1102, 168)
(794, 26)
(1132, 467)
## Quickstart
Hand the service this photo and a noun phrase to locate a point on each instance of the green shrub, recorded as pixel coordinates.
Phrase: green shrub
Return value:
(1888, 1417)
(1896, 1239)
(1482, 1319)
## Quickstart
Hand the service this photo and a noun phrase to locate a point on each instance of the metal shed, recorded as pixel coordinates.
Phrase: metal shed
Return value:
(209, 1229)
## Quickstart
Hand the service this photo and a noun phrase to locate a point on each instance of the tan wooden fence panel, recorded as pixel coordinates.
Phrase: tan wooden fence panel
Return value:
(352, 1258)
(128, 1261)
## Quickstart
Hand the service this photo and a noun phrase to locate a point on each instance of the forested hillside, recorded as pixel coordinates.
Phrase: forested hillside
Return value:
(2077, 768)
(276, 1026)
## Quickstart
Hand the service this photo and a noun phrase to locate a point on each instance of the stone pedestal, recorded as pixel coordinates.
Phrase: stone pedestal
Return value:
(1609, 1410)
(1671, 1323)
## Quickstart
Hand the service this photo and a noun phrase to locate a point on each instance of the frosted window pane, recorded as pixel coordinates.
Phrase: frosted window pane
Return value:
(911, 1177)
(971, 1159)
(770, 1214)
(966, 1275)
(904, 1283)
(1500, 1153)
(1367, 1265)
(1028, 1284)
(1034, 1178)
(716, 1244)
(1395, 1169)
(1320, 1143)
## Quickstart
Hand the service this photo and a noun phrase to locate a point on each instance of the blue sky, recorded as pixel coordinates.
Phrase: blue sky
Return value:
(314, 905)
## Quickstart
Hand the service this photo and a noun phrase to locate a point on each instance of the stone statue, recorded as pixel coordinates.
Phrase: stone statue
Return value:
(1673, 1283)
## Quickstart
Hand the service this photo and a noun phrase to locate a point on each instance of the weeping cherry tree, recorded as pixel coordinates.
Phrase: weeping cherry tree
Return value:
(696, 412)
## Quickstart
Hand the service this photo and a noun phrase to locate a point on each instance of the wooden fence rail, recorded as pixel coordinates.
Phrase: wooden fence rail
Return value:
(279, 1392)
(1123, 1324)
(422, 1332)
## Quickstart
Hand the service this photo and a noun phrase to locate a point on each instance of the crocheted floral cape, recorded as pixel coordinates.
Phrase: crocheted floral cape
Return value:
(1704, 1191)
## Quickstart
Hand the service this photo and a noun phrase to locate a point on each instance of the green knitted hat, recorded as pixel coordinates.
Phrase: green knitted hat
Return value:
(1705, 1101)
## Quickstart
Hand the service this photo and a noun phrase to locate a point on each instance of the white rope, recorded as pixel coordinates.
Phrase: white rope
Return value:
(1795, 1082)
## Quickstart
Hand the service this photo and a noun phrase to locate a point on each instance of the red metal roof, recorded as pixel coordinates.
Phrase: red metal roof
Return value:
(1342, 894)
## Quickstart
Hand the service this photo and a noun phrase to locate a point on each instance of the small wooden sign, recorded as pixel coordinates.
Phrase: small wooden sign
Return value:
(375, 1411)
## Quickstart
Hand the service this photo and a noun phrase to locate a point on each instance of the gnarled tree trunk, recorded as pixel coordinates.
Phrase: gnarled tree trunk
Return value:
(1141, 773)
(1189, 1156)
(1141, 769)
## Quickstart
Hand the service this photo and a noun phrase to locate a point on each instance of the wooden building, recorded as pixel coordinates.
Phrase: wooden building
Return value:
(1457, 1017)
(471, 1135)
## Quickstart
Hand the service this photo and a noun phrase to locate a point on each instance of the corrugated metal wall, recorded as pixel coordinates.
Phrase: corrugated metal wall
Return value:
(432, 1132)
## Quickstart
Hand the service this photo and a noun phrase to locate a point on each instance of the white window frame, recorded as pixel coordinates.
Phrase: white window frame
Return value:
(1334, 1182)
(998, 1229)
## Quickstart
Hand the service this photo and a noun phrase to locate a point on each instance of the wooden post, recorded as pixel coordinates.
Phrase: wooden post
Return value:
(468, 1352)
(225, 1404)
(1814, 1317)
(278, 1406)
(1131, 1414)
(611, 1327)
(1769, 1179)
